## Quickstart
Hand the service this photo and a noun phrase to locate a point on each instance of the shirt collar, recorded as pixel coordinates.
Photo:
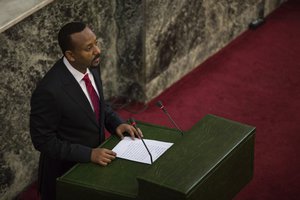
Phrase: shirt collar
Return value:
(77, 74)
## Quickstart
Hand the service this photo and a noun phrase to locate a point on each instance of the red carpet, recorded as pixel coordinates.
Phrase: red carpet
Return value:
(255, 80)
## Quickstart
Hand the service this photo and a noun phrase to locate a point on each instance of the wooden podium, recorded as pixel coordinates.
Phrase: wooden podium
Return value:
(213, 160)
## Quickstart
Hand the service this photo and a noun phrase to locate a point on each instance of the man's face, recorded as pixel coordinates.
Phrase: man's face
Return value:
(85, 51)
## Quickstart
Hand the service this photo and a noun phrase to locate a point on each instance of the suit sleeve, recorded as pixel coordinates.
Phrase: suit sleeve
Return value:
(45, 117)
(112, 120)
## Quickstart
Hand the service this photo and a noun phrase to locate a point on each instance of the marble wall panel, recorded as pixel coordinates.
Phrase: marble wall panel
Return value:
(271, 5)
(130, 49)
(28, 50)
(180, 35)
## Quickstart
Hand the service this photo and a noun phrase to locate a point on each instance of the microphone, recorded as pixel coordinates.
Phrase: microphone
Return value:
(133, 123)
(162, 107)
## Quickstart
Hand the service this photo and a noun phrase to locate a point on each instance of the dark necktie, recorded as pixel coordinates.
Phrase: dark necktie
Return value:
(93, 95)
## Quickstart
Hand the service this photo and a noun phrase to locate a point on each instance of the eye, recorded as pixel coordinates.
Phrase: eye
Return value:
(89, 48)
(97, 43)
(92, 45)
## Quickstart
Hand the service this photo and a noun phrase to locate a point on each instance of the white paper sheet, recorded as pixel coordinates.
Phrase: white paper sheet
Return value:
(135, 150)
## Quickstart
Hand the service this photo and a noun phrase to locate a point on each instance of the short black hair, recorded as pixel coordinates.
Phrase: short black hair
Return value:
(64, 39)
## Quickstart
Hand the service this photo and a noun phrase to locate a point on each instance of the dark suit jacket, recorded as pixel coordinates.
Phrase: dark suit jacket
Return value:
(63, 126)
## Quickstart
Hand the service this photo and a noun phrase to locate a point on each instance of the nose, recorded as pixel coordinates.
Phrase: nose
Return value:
(96, 50)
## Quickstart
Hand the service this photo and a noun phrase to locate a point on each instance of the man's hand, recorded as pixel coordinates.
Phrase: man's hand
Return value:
(122, 128)
(102, 156)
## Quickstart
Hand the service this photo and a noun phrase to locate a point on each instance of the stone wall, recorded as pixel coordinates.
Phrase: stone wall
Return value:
(147, 45)
(130, 47)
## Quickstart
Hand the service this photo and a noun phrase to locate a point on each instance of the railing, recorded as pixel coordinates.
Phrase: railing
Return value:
(13, 11)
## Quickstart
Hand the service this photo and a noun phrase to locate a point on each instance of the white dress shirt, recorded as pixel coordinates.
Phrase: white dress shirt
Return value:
(79, 78)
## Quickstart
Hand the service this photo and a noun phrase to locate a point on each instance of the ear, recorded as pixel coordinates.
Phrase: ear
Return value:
(69, 55)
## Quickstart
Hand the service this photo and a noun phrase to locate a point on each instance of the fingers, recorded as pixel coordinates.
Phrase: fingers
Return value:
(120, 130)
(102, 156)
(140, 132)
(105, 161)
(120, 134)
(130, 130)
(135, 132)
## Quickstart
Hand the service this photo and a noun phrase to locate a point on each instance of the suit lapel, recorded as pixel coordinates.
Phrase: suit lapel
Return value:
(74, 91)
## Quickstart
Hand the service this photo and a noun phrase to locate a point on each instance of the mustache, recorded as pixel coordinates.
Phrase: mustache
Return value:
(97, 56)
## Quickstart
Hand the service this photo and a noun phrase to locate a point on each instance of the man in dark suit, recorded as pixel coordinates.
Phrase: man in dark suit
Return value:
(66, 121)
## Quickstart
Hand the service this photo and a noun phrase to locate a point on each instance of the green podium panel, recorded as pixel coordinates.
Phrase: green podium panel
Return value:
(213, 160)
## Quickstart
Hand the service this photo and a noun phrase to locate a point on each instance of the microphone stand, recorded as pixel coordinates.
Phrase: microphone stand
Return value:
(133, 123)
(161, 106)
